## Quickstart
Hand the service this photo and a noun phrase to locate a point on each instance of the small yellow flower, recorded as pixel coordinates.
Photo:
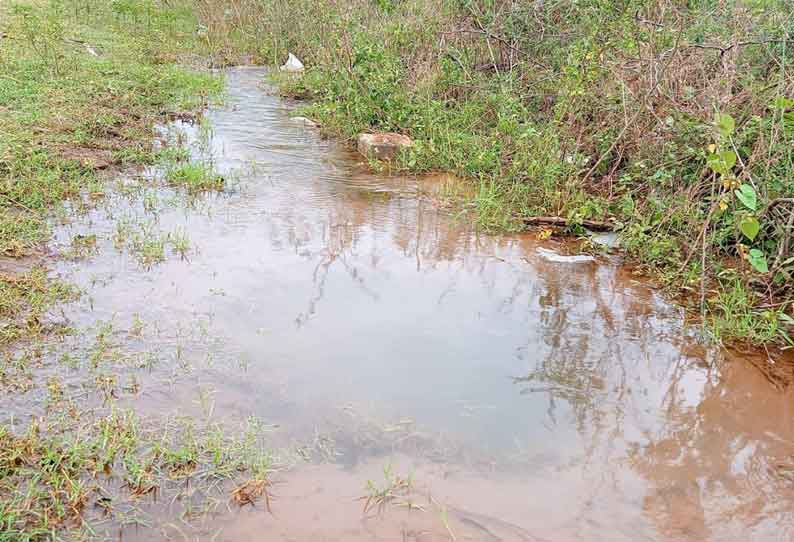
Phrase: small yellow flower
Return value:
(726, 182)
(544, 234)
(723, 205)
(712, 148)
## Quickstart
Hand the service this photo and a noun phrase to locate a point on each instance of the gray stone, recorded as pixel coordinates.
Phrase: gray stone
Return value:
(383, 146)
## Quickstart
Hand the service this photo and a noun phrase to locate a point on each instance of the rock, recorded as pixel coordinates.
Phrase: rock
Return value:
(309, 123)
(382, 146)
(292, 64)
(607, 239)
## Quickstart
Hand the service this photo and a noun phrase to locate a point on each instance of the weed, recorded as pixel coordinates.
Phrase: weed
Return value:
(149, 246)
(394, 490)
(49, 474)
(195, 177)
(24, 300)
(82, 246)
(179, 242)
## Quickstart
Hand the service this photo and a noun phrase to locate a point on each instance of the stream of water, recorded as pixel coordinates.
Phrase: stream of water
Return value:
(538, 398)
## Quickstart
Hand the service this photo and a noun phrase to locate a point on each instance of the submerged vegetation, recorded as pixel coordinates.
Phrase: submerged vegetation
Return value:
(671, 123)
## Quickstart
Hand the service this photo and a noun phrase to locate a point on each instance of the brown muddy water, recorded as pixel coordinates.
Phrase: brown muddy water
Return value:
(529, 396)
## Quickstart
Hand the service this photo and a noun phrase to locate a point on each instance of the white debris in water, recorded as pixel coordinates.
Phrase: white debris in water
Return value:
(552, 256)
(292, 64)
(309, 123)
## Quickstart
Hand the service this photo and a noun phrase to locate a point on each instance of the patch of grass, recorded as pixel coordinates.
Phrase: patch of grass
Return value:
(148, 245)
(179, 241)
(394, 490)
(24, 300)
(735, 317)
(195, 177)
(50, 476)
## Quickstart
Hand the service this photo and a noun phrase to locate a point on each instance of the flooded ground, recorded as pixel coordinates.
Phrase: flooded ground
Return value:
(527, 396)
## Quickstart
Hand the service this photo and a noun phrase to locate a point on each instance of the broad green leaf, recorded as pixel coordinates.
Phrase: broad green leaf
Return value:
(716, 164)
(750, 227)
(746, 194)
(725, 124)
(729, 158)
(758, 260)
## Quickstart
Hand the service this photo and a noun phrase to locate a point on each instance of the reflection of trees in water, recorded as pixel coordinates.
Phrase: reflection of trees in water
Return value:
(606, 355)
(712, 464)
(577, 331)
(604, 349)
(381, 225)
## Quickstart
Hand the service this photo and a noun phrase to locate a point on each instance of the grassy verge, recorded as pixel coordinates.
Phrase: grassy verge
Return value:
(670, 123)
(59, 478)
(82, 85)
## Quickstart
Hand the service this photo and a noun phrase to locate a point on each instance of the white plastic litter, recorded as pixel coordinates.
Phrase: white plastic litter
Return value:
(292, 64)
(552, 256)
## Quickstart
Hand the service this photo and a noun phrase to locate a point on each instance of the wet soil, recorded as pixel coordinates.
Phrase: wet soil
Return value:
(528, 395)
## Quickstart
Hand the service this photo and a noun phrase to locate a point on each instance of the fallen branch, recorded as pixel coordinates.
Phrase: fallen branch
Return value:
(594, 225)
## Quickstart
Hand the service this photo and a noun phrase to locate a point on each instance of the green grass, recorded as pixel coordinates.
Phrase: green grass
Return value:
(50, 476)
(24, 299)
(195, 177)
(83, 83)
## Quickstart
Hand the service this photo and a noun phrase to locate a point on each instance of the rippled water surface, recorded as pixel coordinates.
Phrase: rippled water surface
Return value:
(539, 398)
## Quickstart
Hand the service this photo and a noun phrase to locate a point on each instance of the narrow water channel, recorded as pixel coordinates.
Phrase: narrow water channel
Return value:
(536, 398)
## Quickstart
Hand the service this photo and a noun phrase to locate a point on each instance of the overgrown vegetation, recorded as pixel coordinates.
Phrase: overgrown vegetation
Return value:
(669, 122)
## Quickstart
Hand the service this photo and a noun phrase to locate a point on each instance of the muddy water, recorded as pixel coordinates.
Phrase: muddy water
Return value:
(532, 397)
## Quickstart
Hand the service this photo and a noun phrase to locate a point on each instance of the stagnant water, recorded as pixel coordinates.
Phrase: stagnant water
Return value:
(536, 398)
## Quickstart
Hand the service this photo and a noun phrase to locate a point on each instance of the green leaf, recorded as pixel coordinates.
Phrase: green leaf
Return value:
(758, 260)
(750, 227)
(729, 158)
(725, 124)
(746, 194)
(716, 164)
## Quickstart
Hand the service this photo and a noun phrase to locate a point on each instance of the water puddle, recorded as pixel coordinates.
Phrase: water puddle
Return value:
(527, 395)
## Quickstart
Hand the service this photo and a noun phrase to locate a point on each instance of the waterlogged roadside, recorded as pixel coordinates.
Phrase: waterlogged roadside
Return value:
(82, 86)
(317, 349)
